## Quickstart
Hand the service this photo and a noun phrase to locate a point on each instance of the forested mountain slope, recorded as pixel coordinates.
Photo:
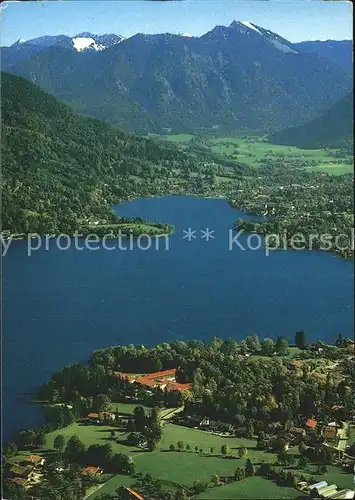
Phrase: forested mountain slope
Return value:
(333, 128)
(60, 168)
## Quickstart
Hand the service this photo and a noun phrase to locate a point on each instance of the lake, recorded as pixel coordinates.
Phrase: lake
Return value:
(60, 305)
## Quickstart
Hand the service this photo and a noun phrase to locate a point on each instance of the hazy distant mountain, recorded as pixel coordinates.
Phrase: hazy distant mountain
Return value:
(239, 77)
(340, 52)
(332, 128)
(82, 41)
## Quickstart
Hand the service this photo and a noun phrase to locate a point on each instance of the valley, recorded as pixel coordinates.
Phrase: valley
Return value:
(252, 174)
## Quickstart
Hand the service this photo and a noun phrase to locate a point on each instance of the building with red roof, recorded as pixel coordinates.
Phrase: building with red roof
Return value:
(129, 494)
(165, 379)
(91, 471)
(311, 423)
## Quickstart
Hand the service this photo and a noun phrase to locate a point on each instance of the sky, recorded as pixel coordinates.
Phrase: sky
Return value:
(295, 21)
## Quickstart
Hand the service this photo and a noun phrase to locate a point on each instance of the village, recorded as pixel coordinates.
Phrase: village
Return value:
(118, 424)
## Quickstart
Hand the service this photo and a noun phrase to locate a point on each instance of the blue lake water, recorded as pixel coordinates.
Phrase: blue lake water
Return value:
(60, 305)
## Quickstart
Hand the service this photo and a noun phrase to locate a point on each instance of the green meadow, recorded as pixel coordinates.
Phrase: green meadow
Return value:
(250, 488)
(200, 460)
(252, 151)
(179, 137)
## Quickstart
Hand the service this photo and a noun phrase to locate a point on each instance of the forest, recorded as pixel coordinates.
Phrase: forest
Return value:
(229, 385)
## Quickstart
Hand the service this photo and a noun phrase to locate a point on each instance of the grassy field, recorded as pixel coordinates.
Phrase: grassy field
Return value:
(206, 441)
(252, 153)
(179, 137)
(110, 487)
(340, 169)
(185, 467)
(334, 475)
(175, 467)
(251, 488)
(127, 408)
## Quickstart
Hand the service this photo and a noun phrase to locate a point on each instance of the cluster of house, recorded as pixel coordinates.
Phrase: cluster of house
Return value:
(101, 417)
(330, 491)
(28, 472)
(165, 379)
(330, 431)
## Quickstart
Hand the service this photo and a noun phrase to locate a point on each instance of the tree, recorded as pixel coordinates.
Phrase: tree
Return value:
(101, 403)
(188, 447)
(180, 494)
(180, 445)
(10, 449)
(340, 340)
(302, 448)
(140, 418)
(250, 429)
(196, 449)
(107, 454)
(281, 346)
(27, 438)
(75, 450)
(122, 464)
(154, 415)
(40, 440)
(242, 452)
(59, 443)
(211, 450)
(215, 479)
(252, 343)
(225, 450)
(302, 462)
(249, 468)
(301, 340)
(151, 444)
(266, 470)
(172, 447)
(267, 347)
(239, 474)
(263, 441)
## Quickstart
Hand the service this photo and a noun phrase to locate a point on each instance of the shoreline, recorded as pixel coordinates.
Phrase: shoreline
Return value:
(28, 236)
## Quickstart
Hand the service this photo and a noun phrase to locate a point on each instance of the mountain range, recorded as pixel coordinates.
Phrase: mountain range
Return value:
(234, 78)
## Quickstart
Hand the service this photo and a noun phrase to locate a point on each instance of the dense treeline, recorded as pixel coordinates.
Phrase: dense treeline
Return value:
(227, 385)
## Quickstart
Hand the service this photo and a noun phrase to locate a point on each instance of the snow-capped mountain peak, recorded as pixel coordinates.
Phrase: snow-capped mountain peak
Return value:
(83, 43)
(251, 26)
